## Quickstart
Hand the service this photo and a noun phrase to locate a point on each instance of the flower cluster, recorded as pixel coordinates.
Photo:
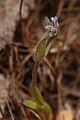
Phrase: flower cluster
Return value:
(51, 25)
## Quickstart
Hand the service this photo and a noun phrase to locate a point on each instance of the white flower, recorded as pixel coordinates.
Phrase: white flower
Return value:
(54, 18)
(55, 21)
(51, 25)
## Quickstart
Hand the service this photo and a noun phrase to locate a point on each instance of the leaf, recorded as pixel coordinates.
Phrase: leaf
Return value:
(31, 104)
(31, 90)
(47, 108)
(45, 112)
(38, 104)
(42, 115)
(40, 51)
(36, 94)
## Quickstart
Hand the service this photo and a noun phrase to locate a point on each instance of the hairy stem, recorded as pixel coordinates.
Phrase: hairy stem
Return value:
(34, 74)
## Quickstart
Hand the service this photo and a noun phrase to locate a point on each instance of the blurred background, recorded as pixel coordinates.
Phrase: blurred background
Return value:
(19, 36)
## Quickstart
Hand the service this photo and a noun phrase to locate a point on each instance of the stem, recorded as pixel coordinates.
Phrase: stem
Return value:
(20, 9)
(34, 74)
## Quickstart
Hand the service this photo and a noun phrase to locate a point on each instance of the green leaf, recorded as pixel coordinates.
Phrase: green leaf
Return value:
(36, 94)
(31, 104)
(42, 115)
(31, 90)
(47, 108)
(40, 51)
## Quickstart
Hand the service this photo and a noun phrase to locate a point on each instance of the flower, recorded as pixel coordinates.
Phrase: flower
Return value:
(55, 21)
(51, 25)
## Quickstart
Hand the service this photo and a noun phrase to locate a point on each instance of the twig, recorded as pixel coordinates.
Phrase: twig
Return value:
(59, 91)
(9, 109)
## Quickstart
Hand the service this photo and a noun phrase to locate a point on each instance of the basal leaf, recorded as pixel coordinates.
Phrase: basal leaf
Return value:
(36, 94)
(31, 104)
